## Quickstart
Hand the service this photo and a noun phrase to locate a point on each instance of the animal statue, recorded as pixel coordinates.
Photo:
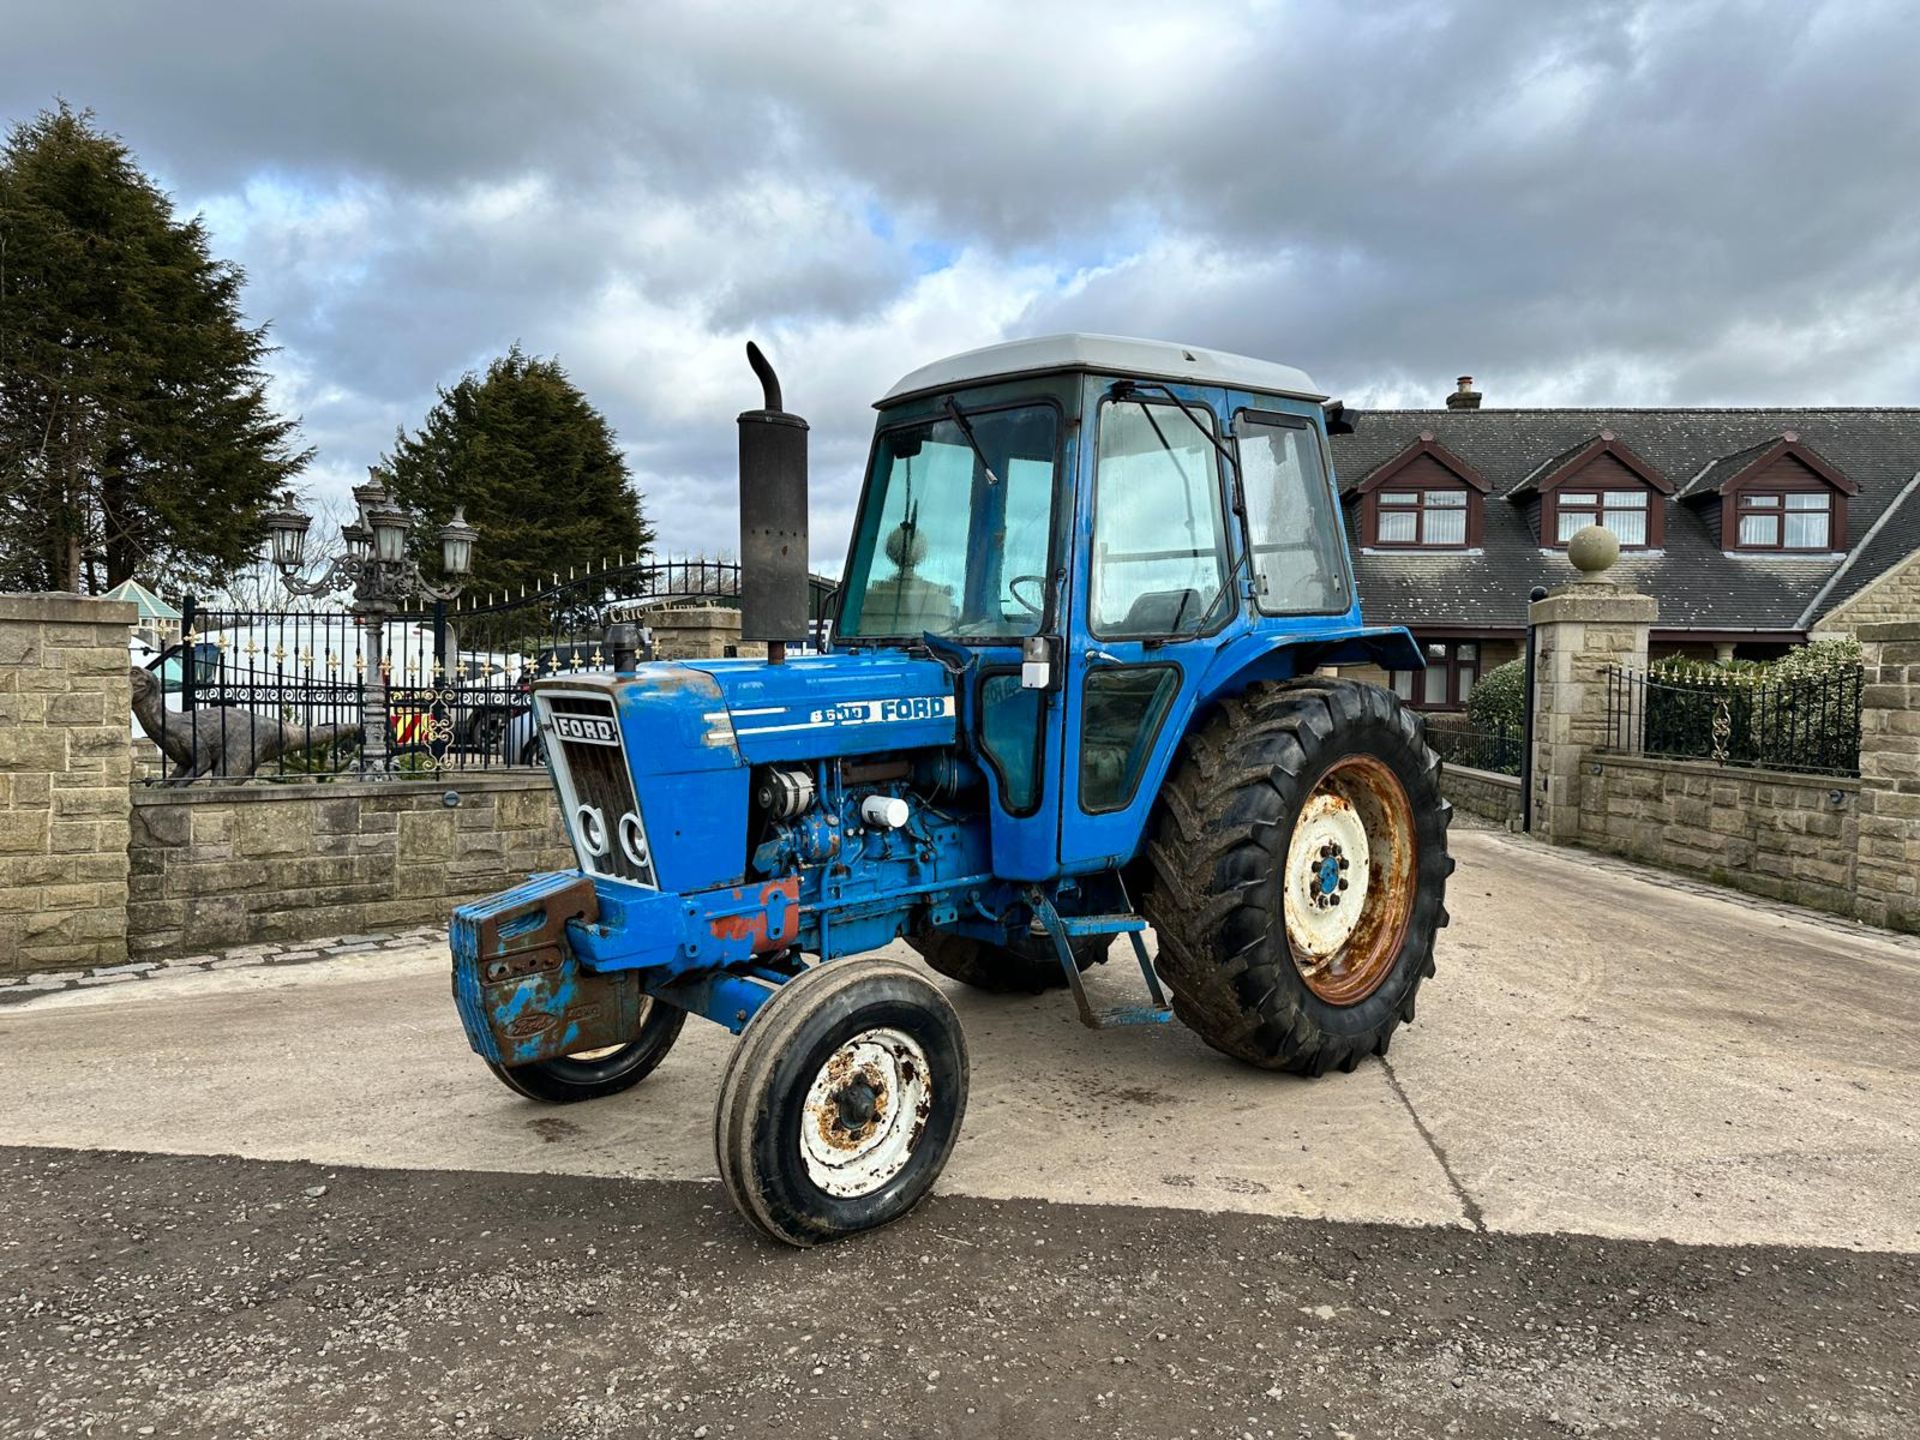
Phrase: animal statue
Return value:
(221, 740)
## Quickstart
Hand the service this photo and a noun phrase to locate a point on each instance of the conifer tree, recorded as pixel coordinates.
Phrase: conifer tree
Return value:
(135, 434)
(535, 465)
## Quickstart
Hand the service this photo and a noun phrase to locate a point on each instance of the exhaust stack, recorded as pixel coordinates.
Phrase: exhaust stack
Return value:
(773, 518)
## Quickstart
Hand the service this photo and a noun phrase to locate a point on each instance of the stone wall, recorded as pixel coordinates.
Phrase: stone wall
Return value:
(1486, 793)
(64, 766)
(96, 864)
(1892, 598)
(1791, 837)
(1889, 873)
(232, 864)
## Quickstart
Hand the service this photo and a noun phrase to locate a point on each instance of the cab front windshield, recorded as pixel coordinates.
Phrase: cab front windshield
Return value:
(955, 528)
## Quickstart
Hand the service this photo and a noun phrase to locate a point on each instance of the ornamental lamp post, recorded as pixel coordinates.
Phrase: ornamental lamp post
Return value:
(381, 573)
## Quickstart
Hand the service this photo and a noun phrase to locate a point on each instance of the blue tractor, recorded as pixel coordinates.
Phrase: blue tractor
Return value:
(1077, 687)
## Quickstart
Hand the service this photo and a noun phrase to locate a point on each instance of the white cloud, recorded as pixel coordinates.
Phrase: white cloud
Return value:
(1609, 202)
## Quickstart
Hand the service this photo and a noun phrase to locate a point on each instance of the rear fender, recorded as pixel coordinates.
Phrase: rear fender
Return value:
(1254, 657)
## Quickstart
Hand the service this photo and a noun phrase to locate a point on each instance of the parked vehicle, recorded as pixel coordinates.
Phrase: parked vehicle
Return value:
(1073, 691)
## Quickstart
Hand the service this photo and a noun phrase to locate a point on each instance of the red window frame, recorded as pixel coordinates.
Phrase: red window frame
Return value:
(1754, 503)
(1596, 512)
(1445, 667)
(1385, 503)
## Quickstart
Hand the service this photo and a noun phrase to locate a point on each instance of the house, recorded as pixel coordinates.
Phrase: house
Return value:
(1756, 529)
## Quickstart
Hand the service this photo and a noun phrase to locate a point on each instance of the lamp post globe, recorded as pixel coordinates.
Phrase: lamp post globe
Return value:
(287, 532)
(391, 526)
(456, 544)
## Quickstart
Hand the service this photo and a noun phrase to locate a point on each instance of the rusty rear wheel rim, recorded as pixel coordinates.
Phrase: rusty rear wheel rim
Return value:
(1348, 879)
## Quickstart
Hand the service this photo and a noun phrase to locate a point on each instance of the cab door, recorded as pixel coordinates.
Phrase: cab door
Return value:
(1157, 584)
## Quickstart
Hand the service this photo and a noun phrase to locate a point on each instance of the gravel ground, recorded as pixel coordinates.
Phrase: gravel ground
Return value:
(212, 1296)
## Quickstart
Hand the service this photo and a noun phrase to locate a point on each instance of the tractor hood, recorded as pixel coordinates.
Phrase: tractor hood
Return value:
(827, 705)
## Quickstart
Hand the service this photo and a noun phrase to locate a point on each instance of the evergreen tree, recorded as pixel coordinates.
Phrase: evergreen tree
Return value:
(134, 426)
(535, 465)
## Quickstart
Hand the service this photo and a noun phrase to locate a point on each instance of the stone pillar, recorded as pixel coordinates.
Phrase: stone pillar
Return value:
(698, 632)
(1580, 630)
(66, 708)
(1887, 870)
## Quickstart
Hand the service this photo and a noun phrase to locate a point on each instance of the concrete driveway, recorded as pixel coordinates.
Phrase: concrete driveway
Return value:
(1599, 1054)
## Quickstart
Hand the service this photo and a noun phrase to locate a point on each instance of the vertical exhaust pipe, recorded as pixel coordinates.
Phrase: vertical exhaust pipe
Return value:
(773, 518)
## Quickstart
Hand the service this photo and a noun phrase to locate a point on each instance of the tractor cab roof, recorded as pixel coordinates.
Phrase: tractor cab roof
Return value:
(1106, 355)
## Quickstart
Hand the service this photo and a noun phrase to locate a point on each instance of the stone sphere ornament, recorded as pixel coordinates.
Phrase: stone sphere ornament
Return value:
(1593, 550)
(906, 547)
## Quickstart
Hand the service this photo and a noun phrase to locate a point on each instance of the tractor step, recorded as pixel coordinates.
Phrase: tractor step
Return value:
(1102, 924)
(1118, 1015)
(1062, 927)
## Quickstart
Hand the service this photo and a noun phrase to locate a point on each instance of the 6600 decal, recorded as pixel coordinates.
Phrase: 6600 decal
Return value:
(866, 712)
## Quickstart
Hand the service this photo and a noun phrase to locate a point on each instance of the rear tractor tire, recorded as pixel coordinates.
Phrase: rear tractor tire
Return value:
(1026, 967)
(1300, 864)
(842, 1101)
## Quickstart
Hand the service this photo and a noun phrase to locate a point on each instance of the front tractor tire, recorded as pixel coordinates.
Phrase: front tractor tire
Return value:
(1299, 858)
(1026, 967)
(842, 1101)
(608, 1070)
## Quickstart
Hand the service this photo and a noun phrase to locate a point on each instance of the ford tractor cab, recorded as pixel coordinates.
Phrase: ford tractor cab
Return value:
(1078, 686)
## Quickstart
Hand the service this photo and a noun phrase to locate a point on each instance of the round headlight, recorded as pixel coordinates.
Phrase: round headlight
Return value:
(593, 830)
(633, 840)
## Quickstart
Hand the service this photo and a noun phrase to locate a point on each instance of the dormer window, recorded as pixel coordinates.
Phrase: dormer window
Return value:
(1597, 482)
(1774, 498)
(1624, 512)
(1424, 498)
(1422, 517)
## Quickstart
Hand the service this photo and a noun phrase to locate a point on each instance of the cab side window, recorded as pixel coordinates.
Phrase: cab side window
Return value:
(1159, 535)
(1293, 524)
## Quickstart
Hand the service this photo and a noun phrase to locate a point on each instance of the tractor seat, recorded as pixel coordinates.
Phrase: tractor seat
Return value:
(1157, 612)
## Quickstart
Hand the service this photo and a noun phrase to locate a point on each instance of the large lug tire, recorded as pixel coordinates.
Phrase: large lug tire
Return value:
(594, 1073)
(1026, 967)
(1299, 857)
(842, 1101)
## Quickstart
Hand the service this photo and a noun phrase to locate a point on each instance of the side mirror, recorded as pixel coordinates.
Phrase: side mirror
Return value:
(1340, 420)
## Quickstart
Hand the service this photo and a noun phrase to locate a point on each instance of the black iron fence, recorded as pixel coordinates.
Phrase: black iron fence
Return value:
(286, 695)
(1807, 723)
(1497, 749)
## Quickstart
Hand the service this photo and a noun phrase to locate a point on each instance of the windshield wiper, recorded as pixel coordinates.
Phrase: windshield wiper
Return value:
(973, 441)
(1127, 389)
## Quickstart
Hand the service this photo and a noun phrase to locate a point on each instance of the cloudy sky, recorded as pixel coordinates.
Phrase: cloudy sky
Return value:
(1617, 203)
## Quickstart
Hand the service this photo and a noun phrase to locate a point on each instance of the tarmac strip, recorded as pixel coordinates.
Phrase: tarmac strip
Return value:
(216, 1297)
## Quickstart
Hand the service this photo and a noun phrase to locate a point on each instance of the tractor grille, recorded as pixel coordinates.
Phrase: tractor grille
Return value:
(596, 787)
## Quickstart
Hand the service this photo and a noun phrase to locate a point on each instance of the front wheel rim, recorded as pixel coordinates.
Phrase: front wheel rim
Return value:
(1349, 879)
(865, 1113)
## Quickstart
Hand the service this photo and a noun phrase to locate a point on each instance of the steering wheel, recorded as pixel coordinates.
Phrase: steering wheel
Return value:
(1032, 607)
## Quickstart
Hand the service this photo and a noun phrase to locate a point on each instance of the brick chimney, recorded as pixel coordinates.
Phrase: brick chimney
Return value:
(1466, 397)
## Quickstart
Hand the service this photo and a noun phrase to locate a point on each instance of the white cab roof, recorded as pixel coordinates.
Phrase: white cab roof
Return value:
(1107, 355)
